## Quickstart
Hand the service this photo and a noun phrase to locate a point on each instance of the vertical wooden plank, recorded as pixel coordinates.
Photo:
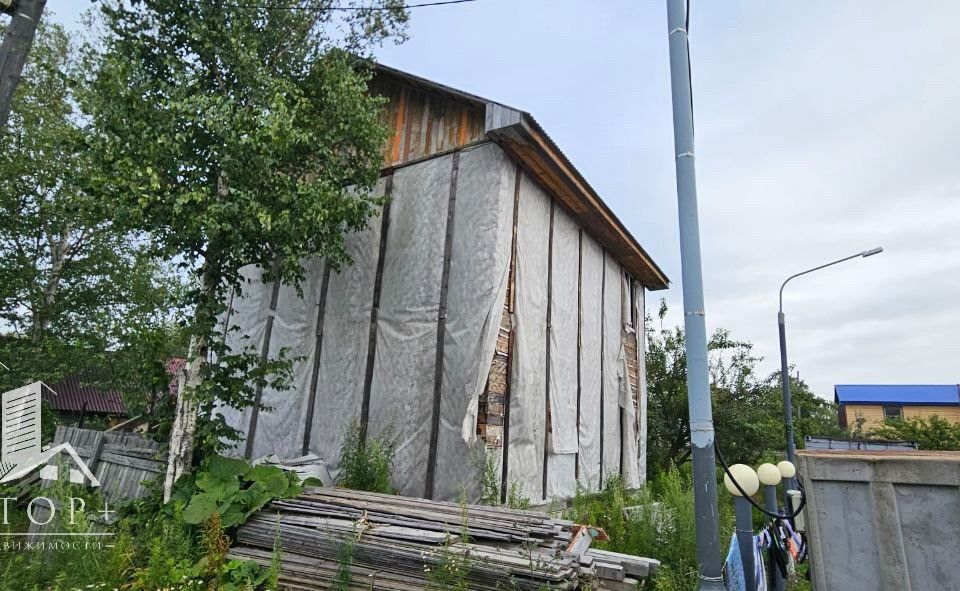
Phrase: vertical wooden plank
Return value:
(441, 329)
(576, 459)
(413, 119)
(463, 128)
(428, 116)
(398, 127)
(603, 327)
(547, 423)
(264, 352)
(504, 478)
(318, 349)
(374, 312)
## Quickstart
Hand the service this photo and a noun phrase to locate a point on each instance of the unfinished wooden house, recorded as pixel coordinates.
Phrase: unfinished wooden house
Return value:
(496, 304)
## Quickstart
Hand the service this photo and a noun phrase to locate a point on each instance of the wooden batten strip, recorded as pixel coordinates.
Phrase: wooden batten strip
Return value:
(441, 329)
(576, 457)
(603, 318)
(318, 350)
(375, 312)
(505, 475)
(626, 377)
(264, 352)
(547, 423)
(398, 127)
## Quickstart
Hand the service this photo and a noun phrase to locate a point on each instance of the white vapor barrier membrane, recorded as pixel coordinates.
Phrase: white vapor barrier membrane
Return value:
(528, 379)
(564, 320)
(280, 426)
(591, 313)
(479, 272)
(248, 321)
(401, 396)
(563, 334)
(628, 424)
(612, 367)
(346, 338)
(642, 365)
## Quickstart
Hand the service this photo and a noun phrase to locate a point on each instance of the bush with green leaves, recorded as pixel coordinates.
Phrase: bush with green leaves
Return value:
(366, 464)
(657, 521)
(233, 489)
(490, 479)
(932, 433)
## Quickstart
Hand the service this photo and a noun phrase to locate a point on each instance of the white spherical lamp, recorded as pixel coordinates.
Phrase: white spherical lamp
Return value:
(769, 474)
(745, 476)
(787, 469)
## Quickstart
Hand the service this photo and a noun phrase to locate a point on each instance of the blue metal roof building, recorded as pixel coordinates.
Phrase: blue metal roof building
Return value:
(926, 394)
(873, 403)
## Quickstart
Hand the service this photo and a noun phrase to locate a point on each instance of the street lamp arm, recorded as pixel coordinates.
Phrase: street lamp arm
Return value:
(865, 253)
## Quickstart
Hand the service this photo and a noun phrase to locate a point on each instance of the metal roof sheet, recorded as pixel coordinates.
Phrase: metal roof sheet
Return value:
(897, 393)
(73, 395)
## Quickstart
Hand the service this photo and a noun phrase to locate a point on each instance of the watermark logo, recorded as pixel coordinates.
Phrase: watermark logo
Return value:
(20, 449)
(21, 453)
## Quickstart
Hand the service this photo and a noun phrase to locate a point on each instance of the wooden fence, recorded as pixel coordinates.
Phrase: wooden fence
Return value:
(123, 462)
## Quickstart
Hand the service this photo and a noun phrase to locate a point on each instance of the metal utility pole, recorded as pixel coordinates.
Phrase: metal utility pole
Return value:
(17, 40)
(698, 384)
(784, 364)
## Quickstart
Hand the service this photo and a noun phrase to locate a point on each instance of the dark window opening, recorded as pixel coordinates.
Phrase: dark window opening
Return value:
(892, 412)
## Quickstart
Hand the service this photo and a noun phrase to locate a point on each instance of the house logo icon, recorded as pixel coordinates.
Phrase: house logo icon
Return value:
(20, 449)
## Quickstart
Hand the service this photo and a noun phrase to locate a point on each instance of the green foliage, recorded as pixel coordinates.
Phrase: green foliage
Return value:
(180, 545)
(366, 465)
(75, 283)
(657, 521)
(234, 136)
(344, 563)
(70, 566)
(747, 409)
(451, 572)
(490, 479)
(232, 490)
(932, 433)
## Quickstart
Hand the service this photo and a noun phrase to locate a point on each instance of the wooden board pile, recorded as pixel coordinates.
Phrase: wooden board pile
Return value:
(618, 572)
(400, 543)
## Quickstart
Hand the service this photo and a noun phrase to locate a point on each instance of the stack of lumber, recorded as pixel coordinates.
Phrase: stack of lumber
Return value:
(618, 572)
(400, 543)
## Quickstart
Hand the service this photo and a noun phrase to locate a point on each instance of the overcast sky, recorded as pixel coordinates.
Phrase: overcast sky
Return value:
(824, 128)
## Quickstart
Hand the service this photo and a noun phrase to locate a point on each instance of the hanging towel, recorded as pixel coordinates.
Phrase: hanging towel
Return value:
(735, 580)
(760, 572)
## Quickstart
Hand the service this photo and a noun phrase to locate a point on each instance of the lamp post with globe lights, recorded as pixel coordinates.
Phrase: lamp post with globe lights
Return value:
(770, 477)
(750, 483)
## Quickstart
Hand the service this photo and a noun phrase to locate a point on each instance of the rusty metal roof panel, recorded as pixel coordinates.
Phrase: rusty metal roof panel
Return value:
(74, 394)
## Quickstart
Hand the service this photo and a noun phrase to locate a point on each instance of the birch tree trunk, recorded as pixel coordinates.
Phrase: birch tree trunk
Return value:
(183, 432)
(184, 429)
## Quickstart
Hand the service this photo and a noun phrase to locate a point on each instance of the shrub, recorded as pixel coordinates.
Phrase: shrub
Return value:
(366, 465)
(490, 478)
(933, 433)
(657, 521)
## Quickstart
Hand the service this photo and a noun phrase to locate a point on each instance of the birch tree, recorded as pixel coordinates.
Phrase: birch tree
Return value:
(236, 134)
(73, 283)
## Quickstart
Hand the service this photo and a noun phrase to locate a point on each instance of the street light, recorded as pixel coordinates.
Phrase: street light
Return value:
(784, 376)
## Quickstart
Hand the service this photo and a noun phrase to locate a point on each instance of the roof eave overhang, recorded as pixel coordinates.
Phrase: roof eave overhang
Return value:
(520, 136)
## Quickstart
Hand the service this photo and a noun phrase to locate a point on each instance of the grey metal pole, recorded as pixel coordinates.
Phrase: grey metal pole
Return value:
(743, 513)
(698, 385)
(787, 400)
(785, 366)
(770, 502)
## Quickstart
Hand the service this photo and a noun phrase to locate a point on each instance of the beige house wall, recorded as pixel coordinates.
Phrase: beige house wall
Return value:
(873, 413)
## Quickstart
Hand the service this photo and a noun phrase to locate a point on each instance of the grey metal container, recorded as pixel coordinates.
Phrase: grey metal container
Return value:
(884, 520)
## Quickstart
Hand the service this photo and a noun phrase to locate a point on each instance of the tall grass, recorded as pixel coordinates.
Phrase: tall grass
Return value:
(366, 465)
(657, 521)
